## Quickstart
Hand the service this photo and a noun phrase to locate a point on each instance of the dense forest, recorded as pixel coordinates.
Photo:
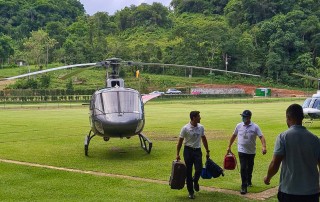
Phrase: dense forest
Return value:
(266, 37)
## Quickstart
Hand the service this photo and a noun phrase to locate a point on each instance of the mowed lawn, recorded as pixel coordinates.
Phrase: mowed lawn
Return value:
(55, 137)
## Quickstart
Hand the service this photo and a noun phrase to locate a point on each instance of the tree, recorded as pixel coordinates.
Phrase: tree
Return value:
(69, 87)
(37, 47)
(191, 6)
(45, 81)
(246, 52)
(6, 47)
(273, 64)
(19, 17)
(234, 13)
(58, 31)
(77, 45)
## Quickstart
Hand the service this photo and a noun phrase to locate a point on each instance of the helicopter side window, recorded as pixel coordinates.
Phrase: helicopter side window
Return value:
(115, 83)
(98, 103)
(306, 103)
(316, 104)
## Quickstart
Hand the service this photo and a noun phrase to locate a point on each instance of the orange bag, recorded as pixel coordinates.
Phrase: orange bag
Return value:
(230, 161)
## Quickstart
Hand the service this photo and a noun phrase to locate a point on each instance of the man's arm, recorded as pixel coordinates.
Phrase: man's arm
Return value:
(233, 137)
(205, 144)
(273, 168)
(264, 144)
(179, 145)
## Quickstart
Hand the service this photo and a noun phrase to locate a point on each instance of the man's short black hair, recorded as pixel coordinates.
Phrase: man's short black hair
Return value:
(194, 114)
(295, 111)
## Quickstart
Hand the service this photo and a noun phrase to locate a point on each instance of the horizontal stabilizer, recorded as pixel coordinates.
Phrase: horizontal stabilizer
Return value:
(146, 98)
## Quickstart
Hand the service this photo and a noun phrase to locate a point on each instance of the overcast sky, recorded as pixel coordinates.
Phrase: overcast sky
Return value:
(111, 6)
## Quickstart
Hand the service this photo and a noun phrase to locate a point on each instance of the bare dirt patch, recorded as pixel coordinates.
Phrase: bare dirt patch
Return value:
(5, 83)
(250, 89)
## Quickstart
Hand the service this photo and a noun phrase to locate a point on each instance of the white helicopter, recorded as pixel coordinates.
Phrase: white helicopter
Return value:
(116, 111)
(311, 106)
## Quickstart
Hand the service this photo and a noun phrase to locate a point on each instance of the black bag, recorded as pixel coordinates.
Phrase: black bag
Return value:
(213, 168)
(178, 175)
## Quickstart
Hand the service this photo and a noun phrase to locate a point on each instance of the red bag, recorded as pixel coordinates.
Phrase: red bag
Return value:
(230, 161)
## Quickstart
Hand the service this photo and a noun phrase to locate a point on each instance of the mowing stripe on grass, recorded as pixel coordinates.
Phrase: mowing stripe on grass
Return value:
(258, 196)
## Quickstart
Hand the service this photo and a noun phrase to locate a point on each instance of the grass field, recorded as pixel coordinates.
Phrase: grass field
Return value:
(55, 137)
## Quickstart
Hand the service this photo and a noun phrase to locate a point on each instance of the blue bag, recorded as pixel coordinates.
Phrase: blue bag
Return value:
(213, 168)
(205, 174)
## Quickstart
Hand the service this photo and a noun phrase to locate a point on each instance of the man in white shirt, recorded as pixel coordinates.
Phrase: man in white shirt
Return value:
(192, 134)
(247, 131)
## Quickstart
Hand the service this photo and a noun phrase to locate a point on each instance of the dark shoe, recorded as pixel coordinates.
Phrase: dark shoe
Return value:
(243, 190)
(196, 187)
(191, 196)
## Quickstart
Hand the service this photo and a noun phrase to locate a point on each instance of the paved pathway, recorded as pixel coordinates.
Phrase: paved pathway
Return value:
(257, 196)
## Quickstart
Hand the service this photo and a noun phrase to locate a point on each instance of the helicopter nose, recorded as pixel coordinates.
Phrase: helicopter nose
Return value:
(126, 125)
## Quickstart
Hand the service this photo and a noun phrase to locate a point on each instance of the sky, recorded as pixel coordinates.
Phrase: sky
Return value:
(111, 6)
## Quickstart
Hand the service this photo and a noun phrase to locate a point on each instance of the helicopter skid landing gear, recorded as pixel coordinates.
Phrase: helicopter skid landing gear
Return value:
(143, 142)
(87, 141)
(308, 123)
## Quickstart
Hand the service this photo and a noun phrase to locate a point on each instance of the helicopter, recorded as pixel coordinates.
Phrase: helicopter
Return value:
(311, 106)
(117, 111)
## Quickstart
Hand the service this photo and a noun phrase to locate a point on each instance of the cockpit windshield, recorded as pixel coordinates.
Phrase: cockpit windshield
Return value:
(118, 102)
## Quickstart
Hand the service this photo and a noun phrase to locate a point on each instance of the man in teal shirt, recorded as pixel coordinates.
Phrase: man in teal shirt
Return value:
(299, 152)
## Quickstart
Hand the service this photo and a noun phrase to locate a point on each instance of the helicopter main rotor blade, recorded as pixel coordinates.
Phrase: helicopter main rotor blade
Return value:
(75, 72)
(306, 76)
(195, 67)
(49, 70)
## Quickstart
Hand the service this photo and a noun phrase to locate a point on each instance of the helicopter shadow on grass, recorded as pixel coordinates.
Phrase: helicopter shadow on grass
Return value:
(123, 151)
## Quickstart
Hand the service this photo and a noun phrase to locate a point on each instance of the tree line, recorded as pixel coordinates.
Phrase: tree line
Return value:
(270, 38)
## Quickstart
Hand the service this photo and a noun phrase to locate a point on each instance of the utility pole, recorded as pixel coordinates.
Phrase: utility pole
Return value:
(226, 61)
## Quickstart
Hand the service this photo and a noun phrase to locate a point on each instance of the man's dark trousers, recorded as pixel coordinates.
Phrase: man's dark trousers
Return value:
(246, 164)
(192, 157)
